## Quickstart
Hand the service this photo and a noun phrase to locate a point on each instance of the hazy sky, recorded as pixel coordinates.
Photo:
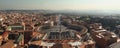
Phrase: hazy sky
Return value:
(61, 4)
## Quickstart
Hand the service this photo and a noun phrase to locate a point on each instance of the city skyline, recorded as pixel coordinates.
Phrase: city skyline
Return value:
(60, 4)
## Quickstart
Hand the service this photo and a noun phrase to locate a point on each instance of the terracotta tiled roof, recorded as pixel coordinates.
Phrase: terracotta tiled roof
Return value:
(4, 34)
(61, 46)
(9, 44)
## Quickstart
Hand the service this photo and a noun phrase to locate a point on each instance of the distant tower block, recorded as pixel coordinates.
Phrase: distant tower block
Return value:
(1, 21)
(59, 21)
(52, 23)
